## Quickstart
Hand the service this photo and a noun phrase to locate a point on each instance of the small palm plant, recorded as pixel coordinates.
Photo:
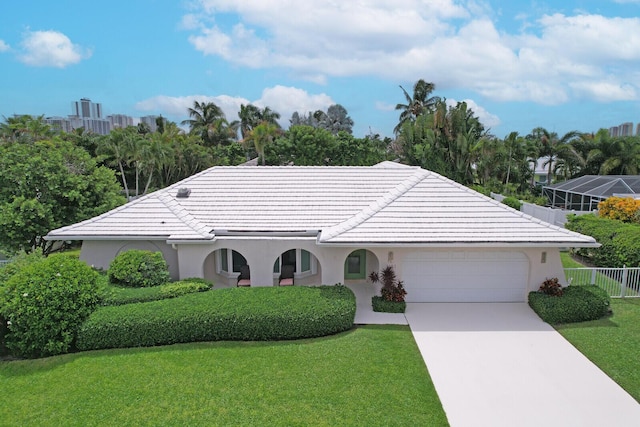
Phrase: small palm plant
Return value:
(392, 288)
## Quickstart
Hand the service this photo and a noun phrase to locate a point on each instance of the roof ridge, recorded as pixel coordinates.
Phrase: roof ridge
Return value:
(376, 206)
(181, 213)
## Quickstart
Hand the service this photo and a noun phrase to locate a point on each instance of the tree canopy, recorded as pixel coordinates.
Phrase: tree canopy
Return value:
(49, 184)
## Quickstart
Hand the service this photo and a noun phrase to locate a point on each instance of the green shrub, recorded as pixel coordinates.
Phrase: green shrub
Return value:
(6, 272)
(45, 303)
(620, 242)
(512, 202)
(138, 269)
(551, 287)
(392, 288)
(183, 287)
(577, 304)
(116, 295)
(259, 313)
(17, 263)
(381, 305)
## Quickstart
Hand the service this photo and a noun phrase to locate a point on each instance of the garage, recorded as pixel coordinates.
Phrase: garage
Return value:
(465, 276)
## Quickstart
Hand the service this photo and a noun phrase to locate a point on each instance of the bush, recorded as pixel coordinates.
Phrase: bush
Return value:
(620, 242)
(512, 202)
(183, 287)
(138, 269)
(6, 272)
(625, 209)
(392, 289)
(577, 304)
(115, 295)
(551, 287)
(259, 313)
(381, 305)
(45, 303)
(17, 263)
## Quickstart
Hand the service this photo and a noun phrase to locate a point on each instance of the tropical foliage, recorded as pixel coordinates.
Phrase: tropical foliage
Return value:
(46, 185)
(441, 136)
(625, 209)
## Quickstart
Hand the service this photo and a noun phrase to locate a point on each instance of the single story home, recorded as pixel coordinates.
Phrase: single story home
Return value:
(331, 225)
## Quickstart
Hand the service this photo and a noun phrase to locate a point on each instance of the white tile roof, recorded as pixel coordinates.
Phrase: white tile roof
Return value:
(384, 204)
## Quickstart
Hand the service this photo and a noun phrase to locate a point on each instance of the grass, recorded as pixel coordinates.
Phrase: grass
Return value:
(372, 375)
(612, 343)
(568, 261)
(609, 284)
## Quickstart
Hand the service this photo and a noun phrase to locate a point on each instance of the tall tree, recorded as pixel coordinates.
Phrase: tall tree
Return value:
(25, 128)
(208, 121)
(420, 102)
(551, 146)
(46, 185)
(261, 136)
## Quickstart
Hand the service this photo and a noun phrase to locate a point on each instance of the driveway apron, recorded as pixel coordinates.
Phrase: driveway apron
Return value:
(501, 365)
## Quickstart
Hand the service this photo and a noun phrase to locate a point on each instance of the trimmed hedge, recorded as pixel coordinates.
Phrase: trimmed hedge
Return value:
(620, 241)
(238, 314)
(512, 202)
(138, 269)
(45, 303)
(381, 305)
(577, 304)
(115, 295)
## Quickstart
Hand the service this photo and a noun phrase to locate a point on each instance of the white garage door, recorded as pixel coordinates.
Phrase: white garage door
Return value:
(460, 276)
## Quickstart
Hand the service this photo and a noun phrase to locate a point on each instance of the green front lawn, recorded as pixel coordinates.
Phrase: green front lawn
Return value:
(371, 376)
(612, 343)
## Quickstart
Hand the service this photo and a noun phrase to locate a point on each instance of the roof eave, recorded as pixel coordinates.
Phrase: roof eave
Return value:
(465, 244)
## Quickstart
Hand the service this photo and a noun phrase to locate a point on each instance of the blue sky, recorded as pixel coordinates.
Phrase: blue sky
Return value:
(564, 64)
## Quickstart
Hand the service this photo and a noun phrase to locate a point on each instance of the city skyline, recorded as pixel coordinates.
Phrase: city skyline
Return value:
(562, 65)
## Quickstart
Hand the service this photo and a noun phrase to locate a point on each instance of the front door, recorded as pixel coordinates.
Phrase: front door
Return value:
(354, 266)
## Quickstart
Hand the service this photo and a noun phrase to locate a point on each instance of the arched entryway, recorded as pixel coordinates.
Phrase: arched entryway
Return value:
(357, 267)
(223, 266)
(305, 265)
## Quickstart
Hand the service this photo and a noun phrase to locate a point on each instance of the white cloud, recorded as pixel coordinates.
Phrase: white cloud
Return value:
(284, 100)
(4, 46)
(551, 60)
(50, 49)
(177, 106)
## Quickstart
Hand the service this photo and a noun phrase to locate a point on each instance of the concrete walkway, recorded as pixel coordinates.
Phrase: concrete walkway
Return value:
(500, 365)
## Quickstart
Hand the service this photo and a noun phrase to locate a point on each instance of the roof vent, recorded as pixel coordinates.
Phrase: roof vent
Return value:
(183, 193)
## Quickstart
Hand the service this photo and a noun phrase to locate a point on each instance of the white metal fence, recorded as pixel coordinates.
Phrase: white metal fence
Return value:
(618, 282)
(3, 262)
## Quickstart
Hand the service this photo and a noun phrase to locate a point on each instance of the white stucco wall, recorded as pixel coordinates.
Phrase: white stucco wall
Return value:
(188, 260)
(100, 253)
(261, 254)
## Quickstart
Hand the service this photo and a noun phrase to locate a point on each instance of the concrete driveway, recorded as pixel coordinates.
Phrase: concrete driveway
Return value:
(500, 365)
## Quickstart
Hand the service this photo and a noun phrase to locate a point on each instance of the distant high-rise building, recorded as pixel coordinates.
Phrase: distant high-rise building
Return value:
(86, 109)
(59, 123)
(88, 115)
(625, 129)
(120, 121)
(151, 122)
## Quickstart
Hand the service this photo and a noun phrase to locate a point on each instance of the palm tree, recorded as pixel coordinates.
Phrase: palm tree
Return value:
(209, 122)
(115, 149)
(551, 146)
(251, 116)
(420, 103)
(625, 158)
(261, 136)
